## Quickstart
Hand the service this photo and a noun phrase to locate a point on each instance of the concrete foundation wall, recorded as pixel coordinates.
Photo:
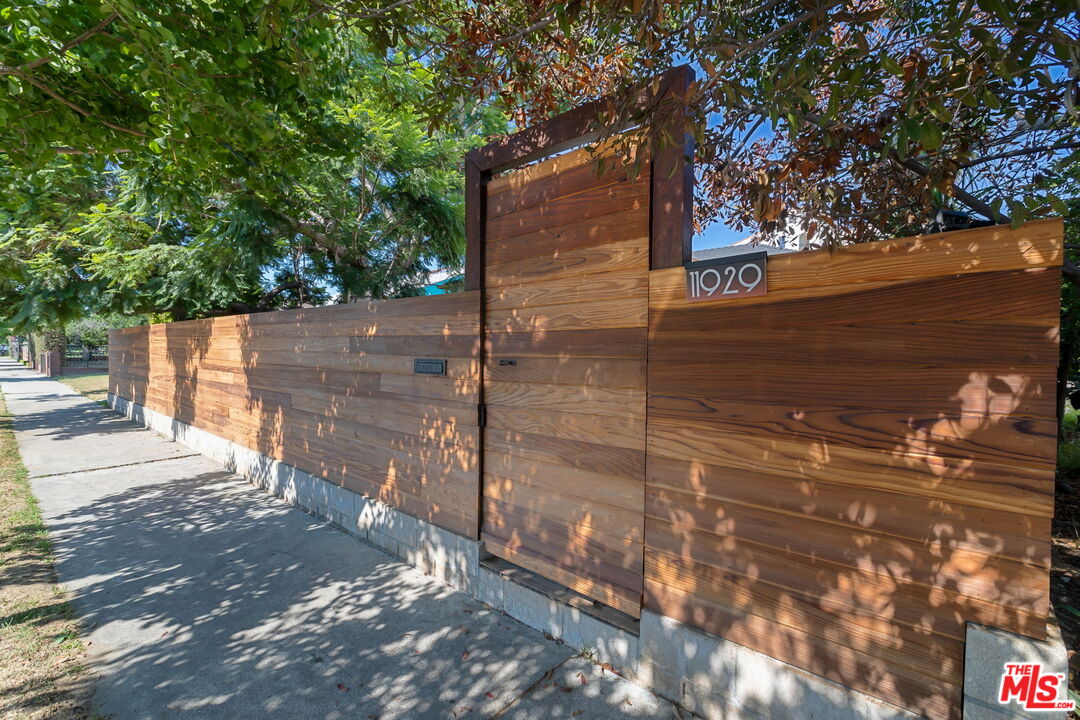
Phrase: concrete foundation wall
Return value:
(706, 674)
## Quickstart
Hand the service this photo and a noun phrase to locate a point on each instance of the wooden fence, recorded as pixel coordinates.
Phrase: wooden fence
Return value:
(330, 391)
(846, 470)
(840, 473)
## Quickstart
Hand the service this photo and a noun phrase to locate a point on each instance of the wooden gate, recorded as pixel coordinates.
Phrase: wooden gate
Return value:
(566, 295)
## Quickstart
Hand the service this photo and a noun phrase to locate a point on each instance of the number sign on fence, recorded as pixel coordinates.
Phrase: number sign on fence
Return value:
(725, 278)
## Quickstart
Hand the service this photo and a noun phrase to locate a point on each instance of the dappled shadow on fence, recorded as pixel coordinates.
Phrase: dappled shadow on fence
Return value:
(842, 476)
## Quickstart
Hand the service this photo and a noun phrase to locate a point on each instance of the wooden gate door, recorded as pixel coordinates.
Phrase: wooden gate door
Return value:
(566, 290)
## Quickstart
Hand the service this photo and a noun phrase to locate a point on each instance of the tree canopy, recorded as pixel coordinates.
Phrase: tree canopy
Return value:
(202, 157)
(207, 155)
(859, 118)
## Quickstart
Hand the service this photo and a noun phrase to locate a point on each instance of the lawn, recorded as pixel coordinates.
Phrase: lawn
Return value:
(41, 656)
(94, 385)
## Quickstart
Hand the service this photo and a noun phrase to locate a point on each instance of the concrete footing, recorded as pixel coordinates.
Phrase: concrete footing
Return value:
(706, 674)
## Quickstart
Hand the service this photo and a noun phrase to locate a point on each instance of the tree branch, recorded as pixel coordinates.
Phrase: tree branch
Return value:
(89, 151)
(17, 72)
(78, 40)
(1021, 152)
(264, 301)
(958, 192)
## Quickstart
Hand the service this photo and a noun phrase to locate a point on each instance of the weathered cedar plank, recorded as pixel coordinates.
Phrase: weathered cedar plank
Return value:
(589, 205)
(576, 577)
(597, 429)
(608, 343)
(590, 456)
(571, 181)
(632, 224)
(574, 265)
(577, 288)
(1003, 532)
(627, 403)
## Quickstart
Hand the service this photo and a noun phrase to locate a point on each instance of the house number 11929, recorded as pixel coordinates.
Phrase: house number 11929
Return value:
(722, 278)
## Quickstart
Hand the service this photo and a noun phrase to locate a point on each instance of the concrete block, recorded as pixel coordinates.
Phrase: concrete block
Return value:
(305, 491)
(342, 501)
(447, 556)
(603, 642)
(377, 517)
(534, 609)
(489, 588)
(384, 542)
(353, 526)
(660, 663)
(722, 679)
(986, 652)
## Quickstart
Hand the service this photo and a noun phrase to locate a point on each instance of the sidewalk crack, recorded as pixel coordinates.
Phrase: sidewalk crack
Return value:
(524, 693)
(113, 467)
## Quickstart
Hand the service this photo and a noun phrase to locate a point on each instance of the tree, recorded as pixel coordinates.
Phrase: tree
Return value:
(203, 159)
(90, 332)
(857, 119)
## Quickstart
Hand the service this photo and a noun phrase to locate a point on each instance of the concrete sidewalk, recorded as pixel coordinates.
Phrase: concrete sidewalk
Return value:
(203, 597)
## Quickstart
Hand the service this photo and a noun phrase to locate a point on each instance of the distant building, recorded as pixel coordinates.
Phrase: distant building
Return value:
(792, 239)
(441, 282)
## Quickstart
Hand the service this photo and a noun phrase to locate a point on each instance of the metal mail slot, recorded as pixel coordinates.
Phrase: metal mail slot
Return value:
(429, 366)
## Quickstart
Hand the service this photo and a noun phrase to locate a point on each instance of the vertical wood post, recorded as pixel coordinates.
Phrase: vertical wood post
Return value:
(475, 221)
(672, 191)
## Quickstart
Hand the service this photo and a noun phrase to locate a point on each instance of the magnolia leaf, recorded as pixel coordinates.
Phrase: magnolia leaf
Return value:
(930, 136)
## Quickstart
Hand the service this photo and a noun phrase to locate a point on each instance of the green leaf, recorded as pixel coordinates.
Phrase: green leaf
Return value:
(891, 66)
(930, 136)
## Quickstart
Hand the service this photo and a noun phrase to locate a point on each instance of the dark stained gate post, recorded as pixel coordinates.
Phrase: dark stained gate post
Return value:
(672, 192)
(475, 197)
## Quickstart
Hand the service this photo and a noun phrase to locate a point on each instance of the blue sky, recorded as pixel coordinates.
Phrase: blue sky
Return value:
(717, 235)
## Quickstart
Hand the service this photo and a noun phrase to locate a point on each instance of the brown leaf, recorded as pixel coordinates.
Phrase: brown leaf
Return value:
(581, 677)
(342, 688)
(490, 694)
(465, 655)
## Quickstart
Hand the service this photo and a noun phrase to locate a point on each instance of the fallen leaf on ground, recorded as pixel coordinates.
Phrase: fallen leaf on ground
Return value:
(581, 677)
(465, 655)
(490, 694)
(342, 688)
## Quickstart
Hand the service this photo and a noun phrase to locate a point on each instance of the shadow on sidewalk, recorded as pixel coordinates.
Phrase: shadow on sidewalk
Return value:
(208, 596)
